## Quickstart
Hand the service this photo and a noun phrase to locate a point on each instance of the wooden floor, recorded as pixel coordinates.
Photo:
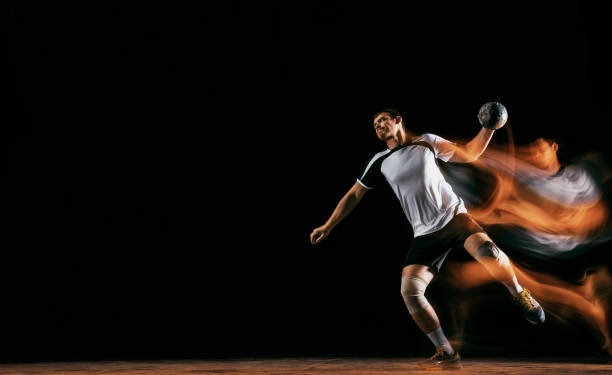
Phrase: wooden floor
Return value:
(309, 366)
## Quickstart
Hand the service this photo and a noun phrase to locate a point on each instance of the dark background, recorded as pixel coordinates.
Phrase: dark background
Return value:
(164, 165)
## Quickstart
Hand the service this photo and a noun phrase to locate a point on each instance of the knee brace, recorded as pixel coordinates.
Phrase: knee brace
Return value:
(489, 252)
(413, 291)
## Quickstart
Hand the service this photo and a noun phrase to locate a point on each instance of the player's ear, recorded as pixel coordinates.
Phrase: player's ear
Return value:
(555, 146)
(398, 119)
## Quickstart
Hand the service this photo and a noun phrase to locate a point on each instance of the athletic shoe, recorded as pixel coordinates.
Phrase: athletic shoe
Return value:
(531, 309)
(441, 361)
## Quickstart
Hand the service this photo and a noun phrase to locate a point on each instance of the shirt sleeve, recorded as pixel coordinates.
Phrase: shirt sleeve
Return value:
(371, 176)
(443, 149)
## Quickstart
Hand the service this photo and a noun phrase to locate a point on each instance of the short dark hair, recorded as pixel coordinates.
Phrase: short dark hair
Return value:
(562, 152)
(392, 112)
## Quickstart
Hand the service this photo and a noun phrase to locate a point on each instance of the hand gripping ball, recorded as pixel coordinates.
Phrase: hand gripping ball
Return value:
(492, 115)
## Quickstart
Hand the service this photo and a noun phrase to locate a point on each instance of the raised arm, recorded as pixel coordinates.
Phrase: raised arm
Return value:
(472, 150)
(343, 208)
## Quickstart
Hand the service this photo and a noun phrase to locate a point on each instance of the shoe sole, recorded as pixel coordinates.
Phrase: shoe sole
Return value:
(448, 366)
(537, 322)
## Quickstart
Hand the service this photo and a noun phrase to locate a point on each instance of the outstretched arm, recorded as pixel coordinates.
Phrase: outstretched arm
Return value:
(344, 207)
(472, 150)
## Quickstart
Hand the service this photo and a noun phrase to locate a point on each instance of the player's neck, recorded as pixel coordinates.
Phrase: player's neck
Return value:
(554, 167)
(400, 139)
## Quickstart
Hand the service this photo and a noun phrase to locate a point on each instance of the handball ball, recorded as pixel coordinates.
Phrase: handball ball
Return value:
(492, 115)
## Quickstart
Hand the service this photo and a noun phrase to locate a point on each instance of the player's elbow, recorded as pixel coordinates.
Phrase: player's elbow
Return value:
(472, 158)
(355, 197)
(471, 154)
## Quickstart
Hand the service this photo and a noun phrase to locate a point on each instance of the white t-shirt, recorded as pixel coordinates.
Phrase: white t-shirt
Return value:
(427, 199)
(571, 185)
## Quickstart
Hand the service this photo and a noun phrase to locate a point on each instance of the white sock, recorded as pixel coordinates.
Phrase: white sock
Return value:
(513, 287)
(438, 338)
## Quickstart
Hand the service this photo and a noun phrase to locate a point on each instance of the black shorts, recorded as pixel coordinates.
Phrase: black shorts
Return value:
(431, 249)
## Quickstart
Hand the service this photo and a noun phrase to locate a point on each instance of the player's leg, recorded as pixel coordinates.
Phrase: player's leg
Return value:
(415, 279)
(484, 250)
(481, 247)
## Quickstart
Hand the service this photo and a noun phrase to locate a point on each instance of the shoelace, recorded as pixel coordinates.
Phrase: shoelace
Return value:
(525, 300)
(439, 353)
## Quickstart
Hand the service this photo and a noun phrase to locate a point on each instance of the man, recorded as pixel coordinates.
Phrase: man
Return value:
(438, 216)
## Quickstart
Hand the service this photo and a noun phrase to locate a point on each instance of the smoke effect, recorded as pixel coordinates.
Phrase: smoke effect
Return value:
(556, 210)
(552, 219)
